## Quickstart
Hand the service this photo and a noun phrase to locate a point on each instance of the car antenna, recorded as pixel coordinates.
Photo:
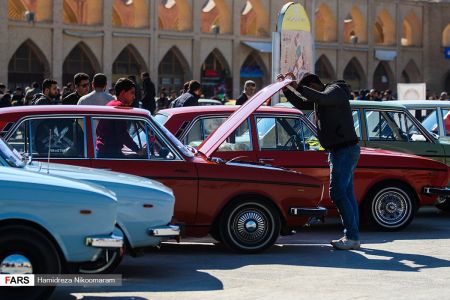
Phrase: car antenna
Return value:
(49, 148)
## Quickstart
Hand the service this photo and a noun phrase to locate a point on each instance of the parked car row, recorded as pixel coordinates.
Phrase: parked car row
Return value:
(243, 174)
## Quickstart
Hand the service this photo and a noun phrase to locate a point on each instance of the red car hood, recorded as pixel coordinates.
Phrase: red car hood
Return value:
(239, 116)
(389, 159)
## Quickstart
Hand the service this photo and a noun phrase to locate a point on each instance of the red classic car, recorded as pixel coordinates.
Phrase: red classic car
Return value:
(246, 206)
(390, 186)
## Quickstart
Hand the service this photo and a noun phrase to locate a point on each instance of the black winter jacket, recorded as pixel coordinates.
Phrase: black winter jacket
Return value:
(334, 118)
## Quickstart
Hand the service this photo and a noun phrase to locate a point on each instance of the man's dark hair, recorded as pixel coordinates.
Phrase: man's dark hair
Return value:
(99, 80)
(47, 84)
(194, 85)
(123, 84)
(132, 78)
(79, 77)
(145, 75)
(186, 86)
(35, 85)
(309, 78)
(2, 86)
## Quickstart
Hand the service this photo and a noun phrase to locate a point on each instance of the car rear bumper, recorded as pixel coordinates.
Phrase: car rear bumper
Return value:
(439, 191)
(99, 241)
(308, 211)
(164, 231)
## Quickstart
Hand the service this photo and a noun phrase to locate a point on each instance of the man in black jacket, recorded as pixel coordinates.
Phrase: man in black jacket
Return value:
(190, 98)
(49, 93)
(81, 81)
(249, 91)
(337, 135)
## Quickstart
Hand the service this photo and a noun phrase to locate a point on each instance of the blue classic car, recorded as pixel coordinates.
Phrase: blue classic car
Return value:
(49, 224)
(145, 207)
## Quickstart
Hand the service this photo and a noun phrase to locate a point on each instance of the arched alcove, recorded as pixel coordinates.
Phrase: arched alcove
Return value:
(384, 29)
(80, 59)
(27, 64)
(324, 69)
(355, 27)
(133, 14)
(175, 15)
(411, 30)
(354, 74)
(254, 19)
(325, 24)
(383, 78)
(254, 69)
(173, 70)
(215, 17)
(215, 75)
(128, 62)
(411, 73)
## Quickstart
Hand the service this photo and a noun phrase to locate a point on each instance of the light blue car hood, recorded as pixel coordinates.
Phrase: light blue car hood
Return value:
(97, 175)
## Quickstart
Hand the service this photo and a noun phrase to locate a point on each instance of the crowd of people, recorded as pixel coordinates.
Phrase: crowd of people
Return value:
(83, 91)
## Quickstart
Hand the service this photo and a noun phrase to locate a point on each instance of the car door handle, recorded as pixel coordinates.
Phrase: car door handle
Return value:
(266, 159)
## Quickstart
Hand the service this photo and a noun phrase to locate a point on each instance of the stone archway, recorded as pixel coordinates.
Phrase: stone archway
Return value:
(128, 62)
(255, 19)
(355, 27)
(411, 30)
(354, 74)
(28, 64)
(175, 15)
(325, 24)
(254, 69)
(383, 78)
(80, 59)
(411, 73)
(216, 75)
(216, 17)
(324, 69)
(384, 29)
(173, 70)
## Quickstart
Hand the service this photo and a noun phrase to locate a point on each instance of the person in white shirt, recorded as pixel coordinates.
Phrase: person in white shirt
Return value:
(98, 96)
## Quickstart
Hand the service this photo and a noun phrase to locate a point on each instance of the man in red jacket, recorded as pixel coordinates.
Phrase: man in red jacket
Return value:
(112, 135)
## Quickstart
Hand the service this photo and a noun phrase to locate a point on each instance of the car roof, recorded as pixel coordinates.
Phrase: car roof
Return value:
(73, 109)
(376, 104)
(429, 103)
(218, 109)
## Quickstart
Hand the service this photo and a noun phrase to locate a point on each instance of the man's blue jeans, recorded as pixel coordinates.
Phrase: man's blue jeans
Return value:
(343, 162)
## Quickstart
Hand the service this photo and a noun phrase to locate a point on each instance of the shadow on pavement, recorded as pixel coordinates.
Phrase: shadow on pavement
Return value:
(190, 266)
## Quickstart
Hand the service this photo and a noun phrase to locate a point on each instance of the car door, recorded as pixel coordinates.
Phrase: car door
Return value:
(398, 131)
(237, 145)
(60, 139)
(161, 162)
(290, 141)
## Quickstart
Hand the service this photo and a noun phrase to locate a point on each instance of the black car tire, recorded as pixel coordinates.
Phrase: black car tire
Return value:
(38, 249)
(444, 205)
(249, 226)
(390, 207)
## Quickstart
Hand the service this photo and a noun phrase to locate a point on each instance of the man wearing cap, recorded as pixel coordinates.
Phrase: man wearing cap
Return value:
(444, 96)
(336, 133)
(249, 91)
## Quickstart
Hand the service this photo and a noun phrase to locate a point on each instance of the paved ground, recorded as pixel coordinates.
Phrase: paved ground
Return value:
(412, 264)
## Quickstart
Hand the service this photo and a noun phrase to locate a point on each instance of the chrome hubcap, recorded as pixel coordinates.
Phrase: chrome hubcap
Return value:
(250, 226)
(16, 264)
(392, 208)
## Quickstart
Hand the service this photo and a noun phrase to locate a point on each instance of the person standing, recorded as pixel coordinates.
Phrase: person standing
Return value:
(81, 82)
(49, 93)
(112, 134)
(249, 91)
(98, 96)
(163, 101)
(190, 98)
(336, 132)
(148, 101)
